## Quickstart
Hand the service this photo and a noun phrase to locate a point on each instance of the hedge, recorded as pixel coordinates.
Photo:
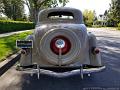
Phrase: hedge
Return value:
(119, 26)
(9, 26)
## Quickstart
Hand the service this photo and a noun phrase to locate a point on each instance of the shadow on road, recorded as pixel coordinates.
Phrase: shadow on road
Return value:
(72, 82)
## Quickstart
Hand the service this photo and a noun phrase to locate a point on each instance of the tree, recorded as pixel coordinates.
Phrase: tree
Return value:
(95, 16)
(88, 17)
(1, 7)
(114, 11)
(35, 6)
(106, 13)
(13, 9)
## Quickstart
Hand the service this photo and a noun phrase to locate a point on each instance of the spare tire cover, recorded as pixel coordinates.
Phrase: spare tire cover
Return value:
(67, 57)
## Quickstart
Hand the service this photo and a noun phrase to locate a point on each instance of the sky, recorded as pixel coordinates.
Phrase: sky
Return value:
(98, 5)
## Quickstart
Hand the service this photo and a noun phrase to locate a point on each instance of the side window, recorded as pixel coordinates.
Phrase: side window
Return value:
(60, 15)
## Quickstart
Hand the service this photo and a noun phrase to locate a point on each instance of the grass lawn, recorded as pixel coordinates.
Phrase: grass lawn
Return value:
(8, 44)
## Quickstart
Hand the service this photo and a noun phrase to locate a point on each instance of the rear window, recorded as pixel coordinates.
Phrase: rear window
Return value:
(61, 15)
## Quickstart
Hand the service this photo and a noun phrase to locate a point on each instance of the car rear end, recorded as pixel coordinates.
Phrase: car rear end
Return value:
(61, 43)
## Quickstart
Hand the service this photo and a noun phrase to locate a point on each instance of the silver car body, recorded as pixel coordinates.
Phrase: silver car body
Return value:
(60, 40)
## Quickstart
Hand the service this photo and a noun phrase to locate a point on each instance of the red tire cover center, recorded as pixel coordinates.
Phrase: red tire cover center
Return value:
(65, 43)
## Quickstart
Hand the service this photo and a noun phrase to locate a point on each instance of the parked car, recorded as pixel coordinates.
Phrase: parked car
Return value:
(60, 42)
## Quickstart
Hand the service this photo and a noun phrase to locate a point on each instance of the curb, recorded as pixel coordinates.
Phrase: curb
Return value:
(8, 63)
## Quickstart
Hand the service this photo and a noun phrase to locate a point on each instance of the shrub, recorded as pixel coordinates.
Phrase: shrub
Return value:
(4, 18)
(9, 26)
(89, 24)
(119, 26)
(96, 26)
(111, 23)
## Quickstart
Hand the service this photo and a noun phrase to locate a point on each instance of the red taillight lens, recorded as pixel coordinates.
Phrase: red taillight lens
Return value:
(60, 42)
(23, 52)
(96, 50)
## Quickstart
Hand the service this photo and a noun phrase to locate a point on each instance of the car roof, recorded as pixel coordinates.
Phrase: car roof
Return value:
(43, 14)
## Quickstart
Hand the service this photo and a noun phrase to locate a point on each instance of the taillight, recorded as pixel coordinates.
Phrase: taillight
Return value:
(95, 50)
(23, 52)
(60, 42)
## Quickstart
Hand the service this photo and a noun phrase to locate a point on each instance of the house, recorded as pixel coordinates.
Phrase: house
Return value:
(102, 19)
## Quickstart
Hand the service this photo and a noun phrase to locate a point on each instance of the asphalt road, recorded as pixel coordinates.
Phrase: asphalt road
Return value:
(109, 79)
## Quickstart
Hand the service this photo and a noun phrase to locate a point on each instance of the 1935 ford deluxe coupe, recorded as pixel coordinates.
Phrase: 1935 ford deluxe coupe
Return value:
(60, 42)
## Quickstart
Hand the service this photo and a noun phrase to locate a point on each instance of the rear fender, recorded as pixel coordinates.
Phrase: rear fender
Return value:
(95, 59)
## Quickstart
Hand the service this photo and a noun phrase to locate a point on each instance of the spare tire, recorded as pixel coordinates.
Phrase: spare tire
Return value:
(55, 39)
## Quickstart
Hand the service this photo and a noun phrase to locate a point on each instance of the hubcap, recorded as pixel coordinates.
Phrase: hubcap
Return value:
(60, 42)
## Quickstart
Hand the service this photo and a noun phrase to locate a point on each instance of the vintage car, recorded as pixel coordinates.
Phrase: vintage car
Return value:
(60, 42)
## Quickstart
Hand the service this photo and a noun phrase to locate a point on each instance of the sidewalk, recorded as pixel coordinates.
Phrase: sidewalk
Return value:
(11, 33)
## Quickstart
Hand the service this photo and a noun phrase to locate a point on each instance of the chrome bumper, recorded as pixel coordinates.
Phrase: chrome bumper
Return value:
(93, 70)
(45, 71)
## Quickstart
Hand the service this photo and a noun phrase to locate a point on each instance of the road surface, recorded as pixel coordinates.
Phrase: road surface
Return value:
(108, 41)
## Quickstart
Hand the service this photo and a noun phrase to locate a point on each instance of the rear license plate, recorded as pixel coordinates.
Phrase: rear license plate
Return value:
(24, 43)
